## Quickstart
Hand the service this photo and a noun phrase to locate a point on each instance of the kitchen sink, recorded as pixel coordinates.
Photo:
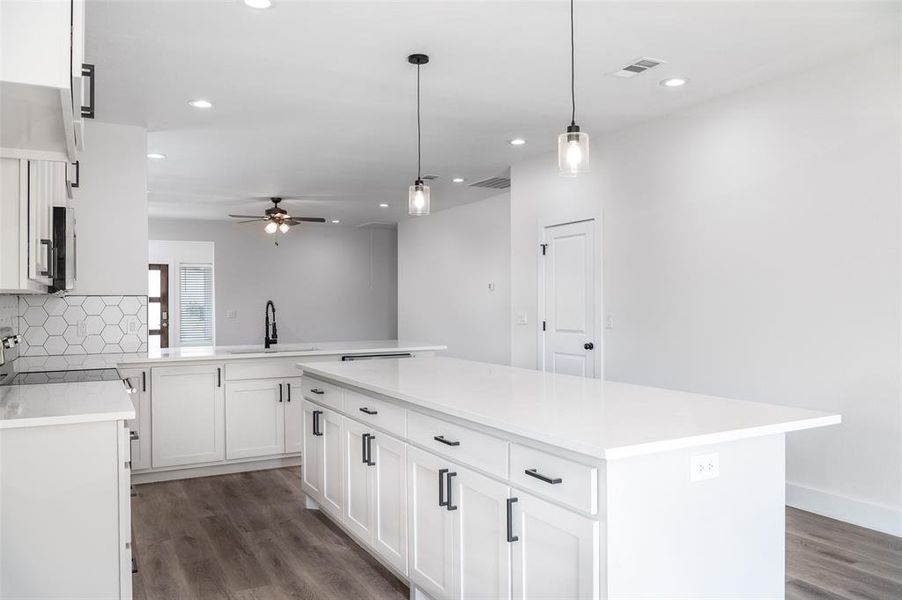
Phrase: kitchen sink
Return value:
(274, 350)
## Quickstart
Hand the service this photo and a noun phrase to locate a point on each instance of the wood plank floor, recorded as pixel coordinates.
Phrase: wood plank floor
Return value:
(247, 537)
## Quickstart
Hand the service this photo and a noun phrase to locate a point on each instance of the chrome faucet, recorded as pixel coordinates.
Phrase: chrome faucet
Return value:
(269, 340)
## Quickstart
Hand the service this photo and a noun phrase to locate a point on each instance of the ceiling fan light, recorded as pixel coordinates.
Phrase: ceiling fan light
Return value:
(271, 227)
(418, 199)
(283, 227)
(573, 152)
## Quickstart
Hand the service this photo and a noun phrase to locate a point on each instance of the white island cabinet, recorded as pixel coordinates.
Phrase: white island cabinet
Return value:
(529, 485)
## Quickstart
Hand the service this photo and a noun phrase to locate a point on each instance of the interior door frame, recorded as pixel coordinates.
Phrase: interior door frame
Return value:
(598, 352)
(163, 300)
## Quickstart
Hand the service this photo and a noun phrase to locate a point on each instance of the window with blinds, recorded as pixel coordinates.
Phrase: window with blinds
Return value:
(195, 305)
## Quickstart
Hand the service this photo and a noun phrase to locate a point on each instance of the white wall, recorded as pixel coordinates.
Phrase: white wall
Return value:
(174, 253)
(111, 211)
(445, 264)
(540, 197)
(753, 251)
(329, 283)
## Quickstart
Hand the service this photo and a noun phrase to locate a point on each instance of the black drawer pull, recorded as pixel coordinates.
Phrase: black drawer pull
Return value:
(540, 477)
(510, 521)
(368, 411)
(288, 387)
(280, 392)
(450, 506)
(317, 391)
(441, 487)
(441, 438)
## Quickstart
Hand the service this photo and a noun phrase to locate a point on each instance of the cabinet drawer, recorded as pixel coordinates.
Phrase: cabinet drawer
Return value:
(378, 413)
(559, 478)
(261, 368)
(459, 443)
(324, 393)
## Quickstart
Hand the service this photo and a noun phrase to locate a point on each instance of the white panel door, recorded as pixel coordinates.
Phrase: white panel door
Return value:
(331, 459)
(430, 524)
(294, 421)
(140, 425)
(482, 553)
(46, 185)
(187, 415)
(569, 299)
(557, 553)
(312, 457)
(255, 418)
(390, 498)
(358, 498)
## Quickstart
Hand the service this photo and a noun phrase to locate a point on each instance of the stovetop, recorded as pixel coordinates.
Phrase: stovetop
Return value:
(72, 376)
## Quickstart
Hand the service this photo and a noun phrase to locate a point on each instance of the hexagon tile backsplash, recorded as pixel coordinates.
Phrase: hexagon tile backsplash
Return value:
(52, 325)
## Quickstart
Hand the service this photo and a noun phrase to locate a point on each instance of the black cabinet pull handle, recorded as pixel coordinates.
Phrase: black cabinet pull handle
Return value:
(588, 345)
(133, 435)
(363, 447)
(134, 566)
(441, 487)
(288, 385)
(317, 391)
(369, 451)
(540, 477)
(316, 427)
(441, 438)
(280, 392)
(143, 381)
(77, 181)
(218, 376)
(368, 411)
(88, 71)
(448, 482)
(49, 246)
(510, 521)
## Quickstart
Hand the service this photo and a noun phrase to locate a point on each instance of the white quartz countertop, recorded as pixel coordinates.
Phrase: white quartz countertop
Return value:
(63, 404)
(601, 419)
(283, 350)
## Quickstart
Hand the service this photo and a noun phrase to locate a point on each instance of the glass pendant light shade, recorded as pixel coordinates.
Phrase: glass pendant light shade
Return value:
(283, 227)
(271, 227)
(418, 199)
(573, 152)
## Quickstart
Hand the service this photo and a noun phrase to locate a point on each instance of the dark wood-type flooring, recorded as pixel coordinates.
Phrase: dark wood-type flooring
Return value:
(247, 537)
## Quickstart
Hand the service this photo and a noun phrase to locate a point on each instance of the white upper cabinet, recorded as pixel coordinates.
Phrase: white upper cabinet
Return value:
(46, 187)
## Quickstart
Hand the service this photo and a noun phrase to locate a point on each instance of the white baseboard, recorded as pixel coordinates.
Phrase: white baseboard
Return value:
(225, 468)
(879, 517)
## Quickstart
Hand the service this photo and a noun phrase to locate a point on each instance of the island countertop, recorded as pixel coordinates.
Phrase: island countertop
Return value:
(63, 404)
(601, 419)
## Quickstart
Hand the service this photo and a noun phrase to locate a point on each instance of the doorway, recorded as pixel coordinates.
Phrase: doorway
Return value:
(567, 299)
(157, 306)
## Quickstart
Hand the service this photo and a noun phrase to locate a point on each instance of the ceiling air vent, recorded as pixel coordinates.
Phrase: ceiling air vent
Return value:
(638, 67)
(495, 183)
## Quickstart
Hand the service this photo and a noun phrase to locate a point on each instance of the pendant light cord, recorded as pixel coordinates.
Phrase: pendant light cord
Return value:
(419, 152)
(572, 70)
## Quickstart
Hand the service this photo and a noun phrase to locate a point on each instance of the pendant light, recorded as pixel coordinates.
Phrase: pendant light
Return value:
(573, 145)
(418, 194)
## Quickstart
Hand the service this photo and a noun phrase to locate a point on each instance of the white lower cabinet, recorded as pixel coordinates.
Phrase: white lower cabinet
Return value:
(188, 415)
(331, 458)
(557, 553)
(254, 418)
(358, 504)
(312, 455)
(431, 534)
(294, 427)
(139, 427)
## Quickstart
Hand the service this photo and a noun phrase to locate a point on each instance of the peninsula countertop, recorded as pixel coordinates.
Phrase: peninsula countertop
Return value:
(601, 419)
(63, 404)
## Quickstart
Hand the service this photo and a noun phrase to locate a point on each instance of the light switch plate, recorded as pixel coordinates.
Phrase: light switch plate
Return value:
(704, 466)
(522, 319)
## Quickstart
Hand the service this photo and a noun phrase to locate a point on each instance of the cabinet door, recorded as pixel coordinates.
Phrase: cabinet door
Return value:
(294, 422)
(332, 478)
(557, 555)
(358, 505)
(312, 457)
(187, 415)
(140, 425)
(390, 498)
(430, 525)
(46, 185)
(255, 418)
(482, 554)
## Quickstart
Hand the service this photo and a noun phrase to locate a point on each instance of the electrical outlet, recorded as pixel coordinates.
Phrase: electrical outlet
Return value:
(231, 314)
(704, 466)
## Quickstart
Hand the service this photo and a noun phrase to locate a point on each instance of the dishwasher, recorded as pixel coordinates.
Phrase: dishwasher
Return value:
(350, 357)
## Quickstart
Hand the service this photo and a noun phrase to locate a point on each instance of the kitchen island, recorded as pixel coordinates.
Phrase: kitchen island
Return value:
(471, 479)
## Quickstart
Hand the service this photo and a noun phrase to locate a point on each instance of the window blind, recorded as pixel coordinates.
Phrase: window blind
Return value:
(195, 305)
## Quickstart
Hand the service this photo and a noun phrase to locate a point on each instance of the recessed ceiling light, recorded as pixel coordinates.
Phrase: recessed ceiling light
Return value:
(383, 205)
(200, 103)
(156, 155)
(458, 180)
(674, 82)
(258, 3)
(516, 142)
(336, 221)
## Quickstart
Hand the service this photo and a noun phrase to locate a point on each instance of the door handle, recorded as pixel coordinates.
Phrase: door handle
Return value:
(280, 392)
(363, 447)
(88, 71)
(450, 505)
(48, 244)
(369, 451)
(588, 345)
(288, 387)
(441, 487)
(316, 429)
(510, 520)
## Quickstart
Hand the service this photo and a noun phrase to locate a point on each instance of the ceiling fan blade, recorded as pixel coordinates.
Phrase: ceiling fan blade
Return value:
(247, 217)
(309, 219)
(249, 221)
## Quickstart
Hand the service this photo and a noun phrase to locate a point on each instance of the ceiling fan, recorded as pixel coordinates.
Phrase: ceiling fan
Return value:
(276, 218)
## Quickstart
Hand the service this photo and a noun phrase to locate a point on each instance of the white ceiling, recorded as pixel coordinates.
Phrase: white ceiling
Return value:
(316, 99)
